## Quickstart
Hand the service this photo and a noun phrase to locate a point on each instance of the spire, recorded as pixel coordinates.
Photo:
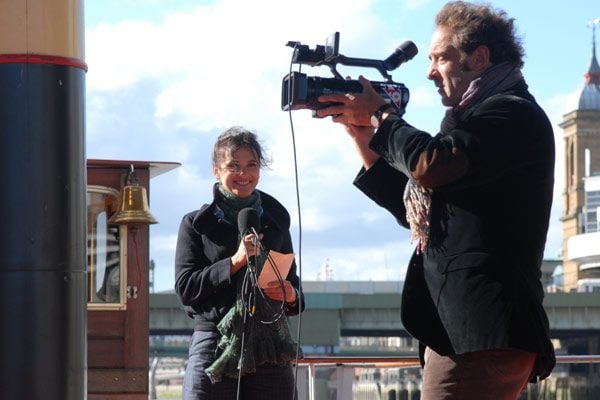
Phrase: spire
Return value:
(592, 76)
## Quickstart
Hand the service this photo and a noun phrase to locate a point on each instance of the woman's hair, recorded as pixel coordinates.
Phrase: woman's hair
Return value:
(473, 25)
(233, 139)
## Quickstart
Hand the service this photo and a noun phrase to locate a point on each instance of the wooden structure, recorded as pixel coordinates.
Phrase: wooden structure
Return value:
(117, 283)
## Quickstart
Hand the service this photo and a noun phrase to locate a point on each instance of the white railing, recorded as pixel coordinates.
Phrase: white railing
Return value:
(345, 369)
(172, 369)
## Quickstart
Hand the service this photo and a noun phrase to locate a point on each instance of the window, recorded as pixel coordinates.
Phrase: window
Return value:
(106, 250)
(571, 178)
(592, 203)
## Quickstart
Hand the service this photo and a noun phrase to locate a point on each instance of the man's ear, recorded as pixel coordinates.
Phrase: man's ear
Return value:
(216, 172)
(480, 58)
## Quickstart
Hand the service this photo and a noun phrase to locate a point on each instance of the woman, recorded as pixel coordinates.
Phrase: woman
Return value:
(237, 323)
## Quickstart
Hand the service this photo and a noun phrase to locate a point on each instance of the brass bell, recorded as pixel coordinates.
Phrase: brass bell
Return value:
(133, 205)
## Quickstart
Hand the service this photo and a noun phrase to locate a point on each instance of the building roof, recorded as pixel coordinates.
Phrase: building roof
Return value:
(588, 97)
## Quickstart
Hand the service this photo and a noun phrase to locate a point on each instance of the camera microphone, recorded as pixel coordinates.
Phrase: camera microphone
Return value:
(403, 53)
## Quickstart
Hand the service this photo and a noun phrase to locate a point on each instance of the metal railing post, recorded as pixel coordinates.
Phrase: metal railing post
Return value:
(153, 378)
(345, 378)
(311, 381)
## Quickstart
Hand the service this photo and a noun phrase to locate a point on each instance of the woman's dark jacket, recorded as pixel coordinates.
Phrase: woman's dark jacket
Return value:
(477, 285)
(205, 245)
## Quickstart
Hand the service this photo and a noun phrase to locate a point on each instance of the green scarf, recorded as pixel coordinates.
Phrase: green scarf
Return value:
(263, 343)
(231, 204)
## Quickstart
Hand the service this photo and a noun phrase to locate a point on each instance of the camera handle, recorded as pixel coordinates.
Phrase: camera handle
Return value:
(357, 62)
(405, 52)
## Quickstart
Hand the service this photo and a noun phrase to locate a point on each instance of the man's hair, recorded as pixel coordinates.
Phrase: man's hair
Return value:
(473, 25)
(233, 139)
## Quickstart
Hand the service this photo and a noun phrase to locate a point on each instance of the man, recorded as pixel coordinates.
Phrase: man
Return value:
(476, 197)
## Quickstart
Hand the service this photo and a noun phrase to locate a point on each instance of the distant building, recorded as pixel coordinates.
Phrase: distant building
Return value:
(581, 196)
(552, 275)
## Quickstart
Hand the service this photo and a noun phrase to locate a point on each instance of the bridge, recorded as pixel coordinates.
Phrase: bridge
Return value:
(343, 309)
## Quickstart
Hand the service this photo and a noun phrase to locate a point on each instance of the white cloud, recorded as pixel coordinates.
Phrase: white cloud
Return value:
(369, 217)
(163, 243)
(216, 65)
(414, 4)
(424, 96)
(387, 261)
(121, 55)
(162, 90)
(313, 219)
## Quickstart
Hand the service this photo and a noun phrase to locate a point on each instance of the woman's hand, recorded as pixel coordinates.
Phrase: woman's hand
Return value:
(248, 247)
(273, 291)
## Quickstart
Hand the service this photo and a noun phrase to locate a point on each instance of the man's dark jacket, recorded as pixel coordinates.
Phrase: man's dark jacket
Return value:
(477, 285)
(205, 244)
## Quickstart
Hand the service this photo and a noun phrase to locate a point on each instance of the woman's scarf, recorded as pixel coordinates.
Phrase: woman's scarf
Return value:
(417, 199)
(230, 204)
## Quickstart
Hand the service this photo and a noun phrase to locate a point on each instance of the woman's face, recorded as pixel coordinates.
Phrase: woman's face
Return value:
(239, 172)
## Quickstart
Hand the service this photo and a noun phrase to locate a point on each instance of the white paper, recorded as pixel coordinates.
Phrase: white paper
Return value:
(276, 261)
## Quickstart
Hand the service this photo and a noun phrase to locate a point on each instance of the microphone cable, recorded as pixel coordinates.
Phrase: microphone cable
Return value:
(245, 306)
(299, 263)
(295, 158)
(276, 314)
(251, 293)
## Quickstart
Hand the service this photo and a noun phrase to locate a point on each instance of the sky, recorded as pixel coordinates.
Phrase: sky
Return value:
(165, 77)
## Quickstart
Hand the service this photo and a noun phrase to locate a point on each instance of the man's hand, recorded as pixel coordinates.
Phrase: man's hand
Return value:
(354, 108)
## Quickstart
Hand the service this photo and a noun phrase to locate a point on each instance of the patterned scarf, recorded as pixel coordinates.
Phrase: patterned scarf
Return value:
(417, 199)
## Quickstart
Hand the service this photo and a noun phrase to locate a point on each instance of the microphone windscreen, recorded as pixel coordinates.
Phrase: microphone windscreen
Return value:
(247, 220)
(410, 49)
(405, 52)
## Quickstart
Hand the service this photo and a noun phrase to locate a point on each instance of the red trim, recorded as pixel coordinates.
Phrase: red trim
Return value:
(42, 59)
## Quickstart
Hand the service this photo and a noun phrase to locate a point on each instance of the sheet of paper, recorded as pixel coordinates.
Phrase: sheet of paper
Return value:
(276, 261)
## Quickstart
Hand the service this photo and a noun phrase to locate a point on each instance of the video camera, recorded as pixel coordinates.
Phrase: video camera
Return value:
(300, 91)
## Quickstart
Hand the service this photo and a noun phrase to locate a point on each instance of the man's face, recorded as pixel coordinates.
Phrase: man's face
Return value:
(451, 77)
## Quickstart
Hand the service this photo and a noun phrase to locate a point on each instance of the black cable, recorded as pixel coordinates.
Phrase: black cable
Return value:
(247, 276)
(250, 291)
(248, 297)
(299, 234)
(276, 315)
(279, 278)
(239, 382)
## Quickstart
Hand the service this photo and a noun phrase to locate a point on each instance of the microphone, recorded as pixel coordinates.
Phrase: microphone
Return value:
(403, 53)
(248, 221)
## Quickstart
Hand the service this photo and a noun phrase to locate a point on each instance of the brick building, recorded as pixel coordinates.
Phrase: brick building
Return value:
(581, 195)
